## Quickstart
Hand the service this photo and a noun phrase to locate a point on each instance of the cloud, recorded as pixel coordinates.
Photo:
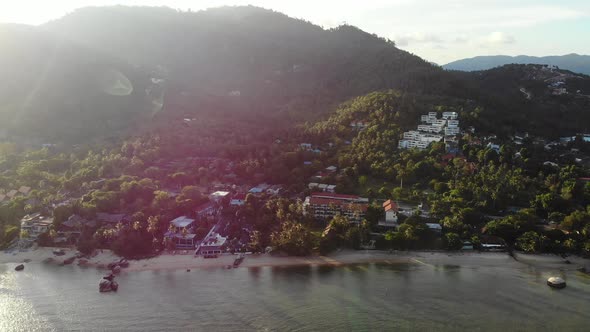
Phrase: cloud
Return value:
(498, 37)
(417, 38)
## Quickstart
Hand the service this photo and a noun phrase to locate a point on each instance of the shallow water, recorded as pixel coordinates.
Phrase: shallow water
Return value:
(361, 297)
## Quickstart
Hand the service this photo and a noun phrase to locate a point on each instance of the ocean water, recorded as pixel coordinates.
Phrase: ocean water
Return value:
(360, 297)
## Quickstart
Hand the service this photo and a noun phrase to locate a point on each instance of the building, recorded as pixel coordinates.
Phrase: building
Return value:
(238, 200)
(450, 115)
(205, 209)
(211, 245)
(33, 225)
(437, 228)
(416, 139)
(70, 230)
(183, 236)
(324, 206)
(431, 130)
(358, 125)
(494, 147)
(273, 190)
(218, 196)
(111, 218)
(330, 188)
(451, 131)
(391, 210)
(331, 169)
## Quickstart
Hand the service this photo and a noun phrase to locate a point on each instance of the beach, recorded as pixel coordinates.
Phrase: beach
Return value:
(169, 261)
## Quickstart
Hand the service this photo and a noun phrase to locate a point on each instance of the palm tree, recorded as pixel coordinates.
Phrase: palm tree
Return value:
(153, 223)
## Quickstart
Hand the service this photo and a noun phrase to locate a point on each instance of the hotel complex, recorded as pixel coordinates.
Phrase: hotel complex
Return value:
(432, 129)
(324, 206)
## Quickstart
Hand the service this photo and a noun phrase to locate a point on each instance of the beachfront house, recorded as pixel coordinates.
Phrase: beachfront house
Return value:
(211, 245)
(181, 233)
(33, 225)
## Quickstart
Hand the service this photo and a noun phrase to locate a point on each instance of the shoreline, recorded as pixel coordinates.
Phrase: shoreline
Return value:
(168, 261)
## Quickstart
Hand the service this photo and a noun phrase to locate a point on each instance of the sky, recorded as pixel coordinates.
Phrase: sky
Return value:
(437, 30)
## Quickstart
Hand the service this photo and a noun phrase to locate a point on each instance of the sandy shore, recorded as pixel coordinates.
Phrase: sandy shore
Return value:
(189, 261)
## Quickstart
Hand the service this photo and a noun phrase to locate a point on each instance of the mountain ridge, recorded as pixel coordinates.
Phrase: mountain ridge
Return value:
(572, 61)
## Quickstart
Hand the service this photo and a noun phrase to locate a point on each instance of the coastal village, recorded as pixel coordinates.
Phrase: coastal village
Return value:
(212, 227)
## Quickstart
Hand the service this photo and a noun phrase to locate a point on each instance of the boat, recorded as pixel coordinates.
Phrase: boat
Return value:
(556, 282)
(238, 260)
(19, 267)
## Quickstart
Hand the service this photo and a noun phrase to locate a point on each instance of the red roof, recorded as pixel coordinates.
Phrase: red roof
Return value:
(390, 205)
(240, 197)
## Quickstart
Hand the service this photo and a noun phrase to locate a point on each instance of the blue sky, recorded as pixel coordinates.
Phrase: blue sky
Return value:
(437, 30)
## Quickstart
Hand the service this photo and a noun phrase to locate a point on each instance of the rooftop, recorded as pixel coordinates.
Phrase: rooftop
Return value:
(390, 205)
(182, 221)
(219, 194)
(214, 240)
(351, 206)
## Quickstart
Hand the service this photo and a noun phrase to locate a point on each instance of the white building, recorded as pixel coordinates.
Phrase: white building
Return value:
(391, 211)
(450, 115)
(431, 131)
(451, 131)
(453, 123)
(218, 195)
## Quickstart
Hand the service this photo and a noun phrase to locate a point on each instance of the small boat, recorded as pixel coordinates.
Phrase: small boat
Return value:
(19, 267)
(556, 282)
(238, 260)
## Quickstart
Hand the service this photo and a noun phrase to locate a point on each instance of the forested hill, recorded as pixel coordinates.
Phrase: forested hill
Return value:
(574, 62)
(255, 51)
(99, 71)
(532, 98)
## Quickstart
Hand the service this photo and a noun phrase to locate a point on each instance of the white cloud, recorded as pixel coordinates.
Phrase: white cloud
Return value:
(498, 37)
(417, 38)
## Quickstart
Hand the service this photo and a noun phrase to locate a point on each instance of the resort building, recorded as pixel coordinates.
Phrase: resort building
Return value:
(211, 245)
(33, 225)
(324, 206)
(182, 236)
(450, 115)
(431, 130)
